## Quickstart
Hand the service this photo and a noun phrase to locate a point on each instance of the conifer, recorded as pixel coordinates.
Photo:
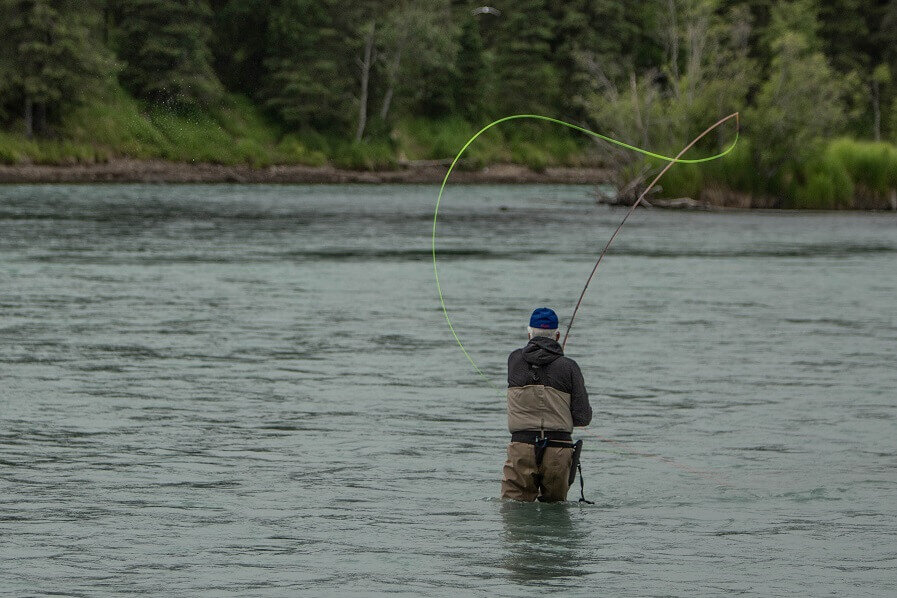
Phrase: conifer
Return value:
(51, 58)
(164, 45)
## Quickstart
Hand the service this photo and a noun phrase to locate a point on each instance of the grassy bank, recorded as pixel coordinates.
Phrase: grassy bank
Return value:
(118, 126)
(841, 174)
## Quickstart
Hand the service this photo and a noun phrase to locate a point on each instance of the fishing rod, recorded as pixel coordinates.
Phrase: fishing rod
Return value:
(635, 205)
(670, 161)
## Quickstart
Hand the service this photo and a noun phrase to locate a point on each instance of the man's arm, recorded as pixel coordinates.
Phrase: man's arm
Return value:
(579, 398)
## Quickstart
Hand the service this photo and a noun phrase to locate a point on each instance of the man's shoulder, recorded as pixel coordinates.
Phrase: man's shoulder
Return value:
(567, 361)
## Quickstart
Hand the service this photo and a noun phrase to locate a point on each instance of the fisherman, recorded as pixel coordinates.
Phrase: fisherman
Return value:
(546, 398)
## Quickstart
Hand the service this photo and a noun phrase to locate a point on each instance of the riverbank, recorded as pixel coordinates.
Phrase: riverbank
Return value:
(421, 172)
(161, 171)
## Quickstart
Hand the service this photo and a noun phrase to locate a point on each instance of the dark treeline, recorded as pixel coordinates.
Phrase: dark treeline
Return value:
(813, 79)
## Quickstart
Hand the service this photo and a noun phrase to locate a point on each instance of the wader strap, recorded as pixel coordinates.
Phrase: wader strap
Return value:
(582, 488)
(539, 447)
(577, 449)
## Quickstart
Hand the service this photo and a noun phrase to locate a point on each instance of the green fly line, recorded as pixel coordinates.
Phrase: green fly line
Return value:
(576, 128)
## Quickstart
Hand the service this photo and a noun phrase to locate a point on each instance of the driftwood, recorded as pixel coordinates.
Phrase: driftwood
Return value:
(682, 203)
(626, 187)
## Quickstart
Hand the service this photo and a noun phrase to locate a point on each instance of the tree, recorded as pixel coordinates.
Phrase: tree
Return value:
(884, 32)
(165, 47)
(857, 45)
(365, 63)
(661, 108)
(526, 78)
(50, 57)
(470, 66)
(308, 77)
(416, 46)
(590, 36)
(801, 100)
(239, 38)
(881, 78)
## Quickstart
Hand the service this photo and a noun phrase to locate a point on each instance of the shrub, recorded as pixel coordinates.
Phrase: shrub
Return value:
(364, 155)
(292, 150)
(824, 185)
(872, 165)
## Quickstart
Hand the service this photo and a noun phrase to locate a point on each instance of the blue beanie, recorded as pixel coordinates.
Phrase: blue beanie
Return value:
(543, 318)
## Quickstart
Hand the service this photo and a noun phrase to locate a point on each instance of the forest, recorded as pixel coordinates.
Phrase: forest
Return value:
(377, 85)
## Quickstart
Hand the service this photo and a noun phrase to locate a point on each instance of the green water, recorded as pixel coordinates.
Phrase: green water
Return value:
(251, 391)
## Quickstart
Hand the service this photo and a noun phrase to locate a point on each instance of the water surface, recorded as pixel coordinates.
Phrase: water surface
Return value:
(251, 391)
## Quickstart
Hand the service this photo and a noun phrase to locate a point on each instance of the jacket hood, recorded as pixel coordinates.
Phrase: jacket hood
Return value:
(542, 350)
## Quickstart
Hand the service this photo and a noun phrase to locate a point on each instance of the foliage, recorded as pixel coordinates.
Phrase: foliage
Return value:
(417, 42)
(472, 72)
(363, 155)
(662, 109)
(307, 64)
(239, 43)
(50, 57)
(871, 165)
(526, 78)
(824, 184)
(800, 102)
(295, 81)
(164, 45)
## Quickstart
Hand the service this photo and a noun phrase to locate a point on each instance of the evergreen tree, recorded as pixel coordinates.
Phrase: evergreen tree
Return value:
(760, 15)
(470, 66)
(844, 31)
(309, 74)
(848, 30)
(884, 34)
(165, 48)
(50, 57)
(436, 95)
(593, 39)
(239, 38)
(526, 78)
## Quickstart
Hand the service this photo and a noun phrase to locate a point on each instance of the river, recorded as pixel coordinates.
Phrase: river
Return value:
(252, 391)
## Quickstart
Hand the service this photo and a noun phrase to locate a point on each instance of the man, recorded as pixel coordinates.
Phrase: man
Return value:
(546, 398)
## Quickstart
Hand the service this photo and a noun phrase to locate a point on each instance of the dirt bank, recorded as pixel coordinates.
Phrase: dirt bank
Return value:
(157, 171)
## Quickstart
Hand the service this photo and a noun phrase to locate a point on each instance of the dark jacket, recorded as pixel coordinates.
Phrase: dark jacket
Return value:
(542, 361)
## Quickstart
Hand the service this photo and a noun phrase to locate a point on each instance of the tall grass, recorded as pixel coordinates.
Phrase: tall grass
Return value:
(537, 145)
(870, 164)
(735, 170)
(117, 125)
(840, 174)
(824, 184)
(845, 174)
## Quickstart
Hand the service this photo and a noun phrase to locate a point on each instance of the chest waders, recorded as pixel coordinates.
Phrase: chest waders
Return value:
(542, 442)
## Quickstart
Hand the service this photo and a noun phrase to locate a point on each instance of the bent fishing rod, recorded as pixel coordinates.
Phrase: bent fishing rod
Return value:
(636, 204)
(670, 161)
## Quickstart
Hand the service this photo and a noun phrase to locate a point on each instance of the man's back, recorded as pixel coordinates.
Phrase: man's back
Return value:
(546, 398)
(542, 362)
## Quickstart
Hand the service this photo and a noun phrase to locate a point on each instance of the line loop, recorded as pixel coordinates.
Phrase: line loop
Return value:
(670, 162)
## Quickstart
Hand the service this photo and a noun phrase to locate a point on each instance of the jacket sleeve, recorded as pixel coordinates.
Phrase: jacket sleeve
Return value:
(579, 397)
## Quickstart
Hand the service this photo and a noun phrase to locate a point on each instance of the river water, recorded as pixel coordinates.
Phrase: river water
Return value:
(252, 391)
